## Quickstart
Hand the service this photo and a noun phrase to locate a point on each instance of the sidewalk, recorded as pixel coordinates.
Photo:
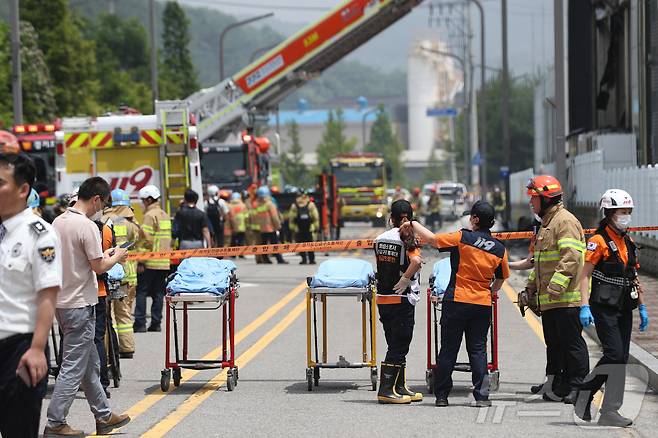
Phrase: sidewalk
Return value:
(649, 339)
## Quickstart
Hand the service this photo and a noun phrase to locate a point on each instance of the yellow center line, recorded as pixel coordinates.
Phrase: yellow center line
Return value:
(195, 400)
(156, 394)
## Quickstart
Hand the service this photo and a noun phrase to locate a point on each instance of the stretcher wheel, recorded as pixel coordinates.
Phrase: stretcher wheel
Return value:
(176, 374)
(309, 379)
(373, 378)
(316, 376)
(164, 380)
(429, 379)
(494, 380)
(230, 380)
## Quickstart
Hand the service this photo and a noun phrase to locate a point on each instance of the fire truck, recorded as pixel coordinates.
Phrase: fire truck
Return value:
(38, 141)
(130, 152)
(361, 182)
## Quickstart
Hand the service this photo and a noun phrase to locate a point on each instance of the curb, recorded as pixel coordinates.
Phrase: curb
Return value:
(637, 355)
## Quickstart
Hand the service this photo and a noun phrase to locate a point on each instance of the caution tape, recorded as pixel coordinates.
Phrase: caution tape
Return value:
(326, 246)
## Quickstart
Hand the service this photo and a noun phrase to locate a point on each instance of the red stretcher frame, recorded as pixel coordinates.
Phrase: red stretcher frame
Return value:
(432, 324)
(173, 367)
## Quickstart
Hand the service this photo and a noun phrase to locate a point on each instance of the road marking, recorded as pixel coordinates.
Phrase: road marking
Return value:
(530, 318)
(196, 399)
(156, 394)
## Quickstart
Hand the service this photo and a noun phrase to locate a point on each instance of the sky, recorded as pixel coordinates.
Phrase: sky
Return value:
(530, 28)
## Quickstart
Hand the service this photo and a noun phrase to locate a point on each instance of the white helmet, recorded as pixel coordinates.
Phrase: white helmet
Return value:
(149, 191)
(616, 198)
(213, 190)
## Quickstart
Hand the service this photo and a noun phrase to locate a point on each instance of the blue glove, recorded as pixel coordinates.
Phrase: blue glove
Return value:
(586, 317)
(644, 317)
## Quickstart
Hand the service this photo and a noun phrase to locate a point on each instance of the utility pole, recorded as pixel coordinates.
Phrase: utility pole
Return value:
(154, 51)
(560, 164)
(482, 119)
(16, 83)
(226, 30)
(110, 7)
(505, 114)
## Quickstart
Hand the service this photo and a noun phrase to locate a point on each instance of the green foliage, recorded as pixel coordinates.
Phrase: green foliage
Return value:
(70, 57)
(293, 168)
(333, 140)
(435, 169)
(38, 90)
(178, 70)
(383, 140)
(6, 115)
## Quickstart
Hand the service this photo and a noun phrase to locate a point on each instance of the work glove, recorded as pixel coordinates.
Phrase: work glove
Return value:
(402, 285)
(644, 317)
(586, 317)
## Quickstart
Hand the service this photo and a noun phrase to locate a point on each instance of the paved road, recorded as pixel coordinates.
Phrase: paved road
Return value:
(272, 400)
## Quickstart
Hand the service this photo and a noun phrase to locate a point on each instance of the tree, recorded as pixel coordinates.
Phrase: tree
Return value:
(6, 114)
(70, 57)
(333, 140)
(38, 91)
(179, 77)
(434, 169)
(383, 140)
(293, 168)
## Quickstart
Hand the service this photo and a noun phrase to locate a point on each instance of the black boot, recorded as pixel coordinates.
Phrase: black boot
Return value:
(583, 405)
(387, 394)
(401, 385)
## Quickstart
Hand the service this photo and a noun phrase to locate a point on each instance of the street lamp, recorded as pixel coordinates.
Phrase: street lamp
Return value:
(363, 103)
(226, 30)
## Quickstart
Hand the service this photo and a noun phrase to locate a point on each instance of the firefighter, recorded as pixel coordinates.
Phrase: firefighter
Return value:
(253, 227)
(498, 200)
(434, 209)
(121, 217)
(238, 219)
(554, 287)
(416, 201)
(152, 274)
(398, 288)
(269, 222)
(216, 210)
(611, 263)
(398, 194)
(304, 221)
(478, 269)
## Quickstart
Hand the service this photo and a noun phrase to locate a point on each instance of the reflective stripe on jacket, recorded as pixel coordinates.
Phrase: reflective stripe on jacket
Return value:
(157, 232)
(559, 257)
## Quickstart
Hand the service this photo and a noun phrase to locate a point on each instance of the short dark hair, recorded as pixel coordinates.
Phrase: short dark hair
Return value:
(400, 210)
(94, 186)
(191, 196)
(485, 212)
(24, 170)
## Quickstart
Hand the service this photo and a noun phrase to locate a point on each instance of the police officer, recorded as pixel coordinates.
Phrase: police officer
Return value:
(398, 263)
(121, 218)
(554, 287)
(611, 263)
(478, 269)
(31, 277)
(304, 221)
(152, 274)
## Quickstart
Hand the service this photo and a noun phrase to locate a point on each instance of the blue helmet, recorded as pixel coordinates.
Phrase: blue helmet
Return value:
(33, 200)
(235, 196)
(120, 197)
(263, 191)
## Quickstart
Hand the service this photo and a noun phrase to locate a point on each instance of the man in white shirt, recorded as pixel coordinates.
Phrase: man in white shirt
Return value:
(82, 259)
(30, 278)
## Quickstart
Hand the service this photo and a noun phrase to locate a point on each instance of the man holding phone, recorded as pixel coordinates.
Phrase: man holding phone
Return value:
(30, 278)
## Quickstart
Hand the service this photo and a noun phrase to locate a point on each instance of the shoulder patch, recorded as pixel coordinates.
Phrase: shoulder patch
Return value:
(591, 246)
(47, 253)
(38, 227)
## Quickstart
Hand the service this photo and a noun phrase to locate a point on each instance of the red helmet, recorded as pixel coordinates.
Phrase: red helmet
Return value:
(544, 185)
(416, 190)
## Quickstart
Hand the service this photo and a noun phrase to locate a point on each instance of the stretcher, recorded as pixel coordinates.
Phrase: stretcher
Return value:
(342, 277)
(437, 286)
(200, 284)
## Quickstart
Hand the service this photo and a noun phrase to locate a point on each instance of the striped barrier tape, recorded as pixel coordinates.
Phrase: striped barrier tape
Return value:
(326, 246)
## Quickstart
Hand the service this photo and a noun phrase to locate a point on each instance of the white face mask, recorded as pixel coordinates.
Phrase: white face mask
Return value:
(622, 221)
(537, 217)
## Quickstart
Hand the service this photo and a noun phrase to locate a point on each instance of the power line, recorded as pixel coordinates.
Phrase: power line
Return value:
(259, 5)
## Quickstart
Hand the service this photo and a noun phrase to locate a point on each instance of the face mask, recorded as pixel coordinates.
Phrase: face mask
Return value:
(622, 221)
(96, 216)
(537, 217)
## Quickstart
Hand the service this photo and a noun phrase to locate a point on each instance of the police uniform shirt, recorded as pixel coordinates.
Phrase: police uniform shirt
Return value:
(29, 262)
(392, 262)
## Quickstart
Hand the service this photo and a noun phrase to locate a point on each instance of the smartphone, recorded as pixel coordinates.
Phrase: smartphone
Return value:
(127, 245)
(24, 376)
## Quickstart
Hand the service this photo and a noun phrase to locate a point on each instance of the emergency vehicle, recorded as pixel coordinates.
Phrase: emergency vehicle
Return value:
(37, 140)
(130, 152)
(361, 181)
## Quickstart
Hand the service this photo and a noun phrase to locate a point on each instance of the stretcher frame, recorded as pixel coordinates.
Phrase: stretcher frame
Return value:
(433, 343)
(366, 295)
(185, 304)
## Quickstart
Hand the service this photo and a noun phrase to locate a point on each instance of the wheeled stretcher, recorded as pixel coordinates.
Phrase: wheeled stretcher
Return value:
(200, 284)
(340, 278)
(437, 287)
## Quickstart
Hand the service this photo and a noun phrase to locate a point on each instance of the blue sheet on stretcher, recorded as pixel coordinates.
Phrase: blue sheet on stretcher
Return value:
(202, 275)
(441, 274)
(343, 272)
